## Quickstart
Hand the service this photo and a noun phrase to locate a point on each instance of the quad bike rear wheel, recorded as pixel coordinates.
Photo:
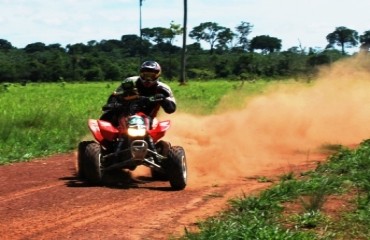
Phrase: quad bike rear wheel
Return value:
(176, 168)
(91, 163)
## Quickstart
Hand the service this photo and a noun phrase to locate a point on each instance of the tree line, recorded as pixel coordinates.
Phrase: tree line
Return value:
(231, 55)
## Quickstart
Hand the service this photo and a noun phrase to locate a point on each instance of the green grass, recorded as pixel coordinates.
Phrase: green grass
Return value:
(43, 119)
(268, 216)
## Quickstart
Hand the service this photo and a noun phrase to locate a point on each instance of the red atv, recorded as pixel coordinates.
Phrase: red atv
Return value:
(135, 141)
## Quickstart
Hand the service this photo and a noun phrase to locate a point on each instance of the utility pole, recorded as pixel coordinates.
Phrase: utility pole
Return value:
(183, 52)
(141, 33)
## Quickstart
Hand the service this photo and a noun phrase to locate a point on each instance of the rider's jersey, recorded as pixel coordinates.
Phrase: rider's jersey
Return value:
(133, 86)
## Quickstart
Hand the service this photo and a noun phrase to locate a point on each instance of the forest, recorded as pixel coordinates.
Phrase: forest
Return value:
(231, 55)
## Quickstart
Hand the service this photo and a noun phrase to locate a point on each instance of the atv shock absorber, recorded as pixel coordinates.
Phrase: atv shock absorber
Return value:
(152, 147)
(119, 146)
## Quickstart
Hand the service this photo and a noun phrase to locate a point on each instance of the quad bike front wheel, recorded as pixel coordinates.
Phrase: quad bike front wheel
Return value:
(91, 163)
(81, 158)
(163, 149)
(177, 168)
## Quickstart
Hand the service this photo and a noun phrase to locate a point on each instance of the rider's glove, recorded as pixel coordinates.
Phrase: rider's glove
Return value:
(156, 98)
(159, 97)
(117, 105)
(145, 99)
(111, 106)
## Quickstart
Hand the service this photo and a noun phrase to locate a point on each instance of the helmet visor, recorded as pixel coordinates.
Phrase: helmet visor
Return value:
(149, 75)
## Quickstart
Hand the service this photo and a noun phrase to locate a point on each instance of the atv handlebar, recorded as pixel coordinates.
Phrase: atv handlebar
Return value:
(155, 98)
(132, 99)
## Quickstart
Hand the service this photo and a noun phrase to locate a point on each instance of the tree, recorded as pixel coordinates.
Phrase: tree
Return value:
(162, 35)
(133, 45)
(265, 43)
(244, 29)
(36, 70)
(174, 30)
(7, 69)
(55, 46)
(224, 38)
(111, 71)
(157, 34)
(35, 47)
(325, 57)
(343, 37)
(110, 45)
(78, 48)
(365, 41)
(211, 33)
(5, 45)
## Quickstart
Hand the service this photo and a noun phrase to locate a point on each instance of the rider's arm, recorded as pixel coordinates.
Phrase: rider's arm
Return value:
(125, 90)
(112, 102)
(169, 103)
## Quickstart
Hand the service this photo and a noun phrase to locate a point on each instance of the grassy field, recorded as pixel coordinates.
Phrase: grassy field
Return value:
(47, 118)
(42, 119)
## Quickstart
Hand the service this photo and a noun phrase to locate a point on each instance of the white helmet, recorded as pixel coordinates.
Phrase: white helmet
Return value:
(150, 71)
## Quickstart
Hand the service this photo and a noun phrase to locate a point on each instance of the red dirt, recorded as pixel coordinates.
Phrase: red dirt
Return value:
(43, 199)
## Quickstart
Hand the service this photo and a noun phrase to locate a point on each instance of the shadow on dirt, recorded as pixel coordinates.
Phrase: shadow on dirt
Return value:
(119, 180)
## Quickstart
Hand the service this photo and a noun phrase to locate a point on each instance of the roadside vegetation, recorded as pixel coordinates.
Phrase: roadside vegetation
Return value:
(42, 119)
(330, 202)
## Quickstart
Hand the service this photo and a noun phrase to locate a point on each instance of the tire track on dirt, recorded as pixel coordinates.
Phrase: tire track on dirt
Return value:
(73, 220)
(151, 218)
(21, 194)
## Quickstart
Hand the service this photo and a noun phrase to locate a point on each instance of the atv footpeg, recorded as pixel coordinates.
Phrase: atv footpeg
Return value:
(139, 148)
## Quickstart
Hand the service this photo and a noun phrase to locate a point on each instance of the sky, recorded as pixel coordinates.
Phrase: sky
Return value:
(302, 23)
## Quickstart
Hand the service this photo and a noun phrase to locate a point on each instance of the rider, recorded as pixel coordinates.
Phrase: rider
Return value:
(155, 94)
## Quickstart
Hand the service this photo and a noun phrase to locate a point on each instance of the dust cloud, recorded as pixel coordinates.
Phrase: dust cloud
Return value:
(280, 128)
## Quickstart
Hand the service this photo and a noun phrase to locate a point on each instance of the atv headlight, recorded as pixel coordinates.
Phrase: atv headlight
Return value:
(136, 131)
(136, 126)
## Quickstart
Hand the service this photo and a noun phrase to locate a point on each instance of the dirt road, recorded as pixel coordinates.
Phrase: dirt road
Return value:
(43, 199)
